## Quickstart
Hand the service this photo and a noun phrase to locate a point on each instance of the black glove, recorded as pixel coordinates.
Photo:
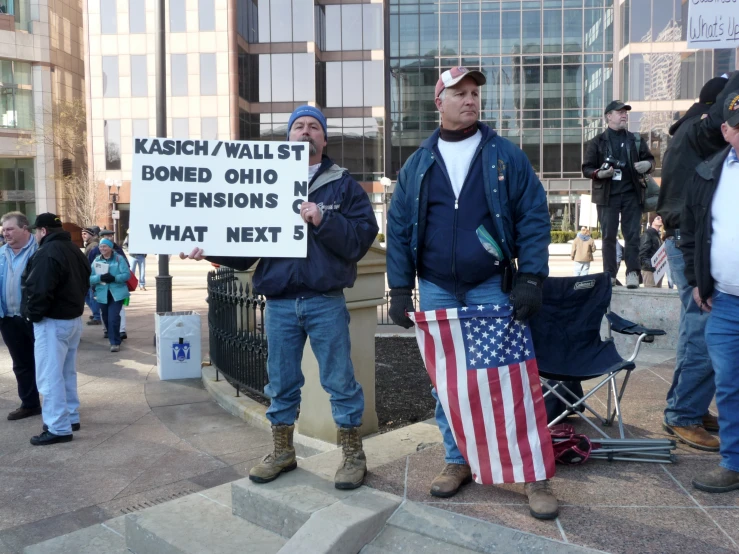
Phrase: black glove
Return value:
(107, 278)
(526, 296)
(401, 301)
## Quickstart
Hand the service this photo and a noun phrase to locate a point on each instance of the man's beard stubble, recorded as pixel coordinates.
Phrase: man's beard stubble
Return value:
(312, 148)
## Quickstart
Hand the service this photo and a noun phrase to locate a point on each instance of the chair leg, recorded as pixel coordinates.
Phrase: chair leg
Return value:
(617, 407)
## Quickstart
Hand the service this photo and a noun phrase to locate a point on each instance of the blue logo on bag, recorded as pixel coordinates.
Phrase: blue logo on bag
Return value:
(181, 351)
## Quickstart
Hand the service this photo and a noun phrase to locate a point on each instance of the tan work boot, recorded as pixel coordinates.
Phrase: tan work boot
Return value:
(451, 478)
(281, 460)
(353, 468)
(718, 480)
(542, 502)
(710, 422)
(694, 436)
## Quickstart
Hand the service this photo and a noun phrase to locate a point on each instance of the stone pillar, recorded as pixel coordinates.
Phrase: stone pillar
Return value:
(362, 300)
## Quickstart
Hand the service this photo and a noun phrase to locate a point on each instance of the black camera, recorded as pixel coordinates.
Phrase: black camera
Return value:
(610, 161)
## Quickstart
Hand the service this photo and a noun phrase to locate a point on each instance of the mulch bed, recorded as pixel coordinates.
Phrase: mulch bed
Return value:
(402, 386)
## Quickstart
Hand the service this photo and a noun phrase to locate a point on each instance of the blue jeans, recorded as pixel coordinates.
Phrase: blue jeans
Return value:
(693, 384)
(55, 350)
(433, 297)
(139, 260)
(93, 304)
(722, 338)
(325, 320)
(582, 268)
(112, 318)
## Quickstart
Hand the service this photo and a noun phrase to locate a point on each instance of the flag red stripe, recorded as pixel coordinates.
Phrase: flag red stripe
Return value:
(452, 392)
(547, 451)
(519, 412)
(478, 424)
(496, 395)
(429, 354)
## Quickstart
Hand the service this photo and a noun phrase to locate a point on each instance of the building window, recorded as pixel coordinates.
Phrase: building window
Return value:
(206, 15)
(208, 79)
(16, 95)
(209, 128)
(108, 17)
(177, 21)
(137, 16)
(139, 76)
(277, 20)
(180, 127)
(179, 74)
(17, 179)
(140, 128)
(110, 77)
(112, 144)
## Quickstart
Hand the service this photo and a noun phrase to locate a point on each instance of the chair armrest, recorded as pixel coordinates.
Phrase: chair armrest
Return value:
(626, 327)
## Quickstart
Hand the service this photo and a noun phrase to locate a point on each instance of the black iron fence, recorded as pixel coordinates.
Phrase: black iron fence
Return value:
(238, 344)
(382, 310)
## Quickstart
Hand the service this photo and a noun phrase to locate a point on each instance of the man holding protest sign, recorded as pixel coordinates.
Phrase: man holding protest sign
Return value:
(466, 204)
(305, 299)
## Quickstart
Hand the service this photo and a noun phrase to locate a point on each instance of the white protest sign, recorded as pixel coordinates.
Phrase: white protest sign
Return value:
(231, 198)
(713, 24)
(659, 263)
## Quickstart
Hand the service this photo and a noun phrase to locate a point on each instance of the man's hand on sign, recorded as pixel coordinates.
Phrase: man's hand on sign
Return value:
(196, 254)
(311, 213)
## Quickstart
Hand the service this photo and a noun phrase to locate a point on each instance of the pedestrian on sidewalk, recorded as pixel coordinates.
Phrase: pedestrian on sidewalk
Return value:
(54, 286)
(583, 248)
(466, 203)
(709, 238)
(305, 299)
(696, 137)
(139, 261)
(109, 275)
(94, 253)
(17, 332)
(615, 160)
(91, 240)
(650, 243)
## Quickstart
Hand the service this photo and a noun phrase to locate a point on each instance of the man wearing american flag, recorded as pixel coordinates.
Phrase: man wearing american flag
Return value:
(467, 204)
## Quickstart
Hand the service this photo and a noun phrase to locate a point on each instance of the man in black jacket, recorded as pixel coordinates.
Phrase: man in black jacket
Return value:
(54, 286)
(696, 137)
(709, 236)
(650, 243)
(615, 162)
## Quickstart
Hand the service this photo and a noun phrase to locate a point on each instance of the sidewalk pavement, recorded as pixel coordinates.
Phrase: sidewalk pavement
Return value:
(142, 441)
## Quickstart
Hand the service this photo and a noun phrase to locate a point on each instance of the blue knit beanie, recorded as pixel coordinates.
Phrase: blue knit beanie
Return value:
(310, 111)
(107, 243)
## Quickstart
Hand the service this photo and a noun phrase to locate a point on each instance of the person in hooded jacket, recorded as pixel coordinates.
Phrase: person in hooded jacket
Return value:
(111, 289)
(583, 248)
(650, 242)
(305, 299)
(695, 138)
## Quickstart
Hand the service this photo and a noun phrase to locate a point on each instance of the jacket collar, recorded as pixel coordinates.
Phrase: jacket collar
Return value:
(327, 173)
(711, 168)
(487, 135)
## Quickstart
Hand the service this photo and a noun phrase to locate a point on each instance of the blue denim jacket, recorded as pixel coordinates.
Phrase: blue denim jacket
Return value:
(12, 266)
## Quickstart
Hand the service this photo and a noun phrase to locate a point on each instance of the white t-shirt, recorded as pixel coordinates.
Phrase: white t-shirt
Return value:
(458, 157)
(724, 251)
(312, 170)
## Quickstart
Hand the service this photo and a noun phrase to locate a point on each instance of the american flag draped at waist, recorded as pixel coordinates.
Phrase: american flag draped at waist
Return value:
(482, 364)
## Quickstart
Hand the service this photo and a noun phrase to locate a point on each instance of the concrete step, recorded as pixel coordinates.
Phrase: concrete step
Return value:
(419, 528)
(309, 511)
(196, 524)
(105, 538)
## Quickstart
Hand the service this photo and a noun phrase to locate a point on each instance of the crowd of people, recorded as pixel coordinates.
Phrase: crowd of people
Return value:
(469, 225)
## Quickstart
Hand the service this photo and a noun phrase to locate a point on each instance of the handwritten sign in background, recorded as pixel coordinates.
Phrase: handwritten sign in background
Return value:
(231, 198)
(713, 24)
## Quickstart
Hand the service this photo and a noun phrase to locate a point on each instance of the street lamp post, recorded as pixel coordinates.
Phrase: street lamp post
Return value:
(114, 187)
(163, 279)
(386, 183)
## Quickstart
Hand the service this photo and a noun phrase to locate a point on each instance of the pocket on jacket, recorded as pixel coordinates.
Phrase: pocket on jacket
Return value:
(473, 263)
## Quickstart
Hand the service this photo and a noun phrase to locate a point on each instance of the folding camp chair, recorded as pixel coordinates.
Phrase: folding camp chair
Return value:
(569, 349)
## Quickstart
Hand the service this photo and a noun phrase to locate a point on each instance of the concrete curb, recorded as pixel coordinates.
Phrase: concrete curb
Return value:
(253, 413)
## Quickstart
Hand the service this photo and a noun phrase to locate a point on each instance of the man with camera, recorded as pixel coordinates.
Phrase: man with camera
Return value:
(615, 160)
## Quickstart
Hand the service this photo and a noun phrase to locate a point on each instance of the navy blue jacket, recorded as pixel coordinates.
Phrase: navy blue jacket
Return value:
(515, 199)
(347, 230)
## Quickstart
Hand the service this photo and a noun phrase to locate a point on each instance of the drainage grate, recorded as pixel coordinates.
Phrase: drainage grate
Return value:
(151, 503)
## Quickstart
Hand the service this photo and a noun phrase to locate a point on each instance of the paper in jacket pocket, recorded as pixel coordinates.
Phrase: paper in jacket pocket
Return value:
(489, 244)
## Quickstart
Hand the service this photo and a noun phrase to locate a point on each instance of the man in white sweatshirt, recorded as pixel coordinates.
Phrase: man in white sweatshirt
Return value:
(709, 235)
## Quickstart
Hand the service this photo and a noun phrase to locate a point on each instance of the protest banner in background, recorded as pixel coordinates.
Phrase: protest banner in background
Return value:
(231, 198)
(659, 263)
(713, 24)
